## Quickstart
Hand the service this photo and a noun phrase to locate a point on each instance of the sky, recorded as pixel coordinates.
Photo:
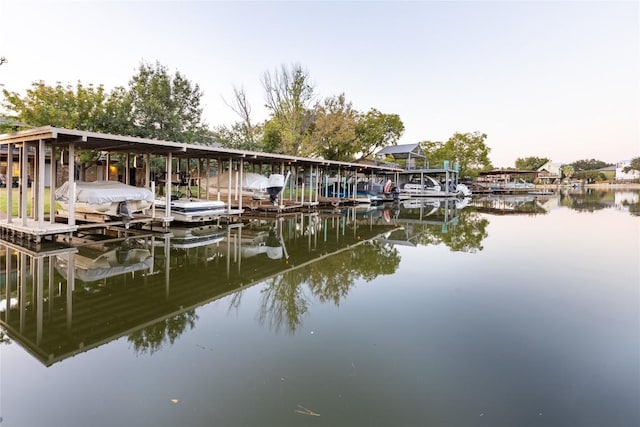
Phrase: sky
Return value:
(548, 79)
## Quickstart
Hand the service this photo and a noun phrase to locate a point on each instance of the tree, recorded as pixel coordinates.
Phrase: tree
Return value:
(434, 151)
(589, 164)
(72, 107)
(242, 134)
(164, 106)
(334, 132)
(289, 94)
(589, 176)
(236, 136)
(568, 171)
(272, 136)
(467, 149)
(635, 164)
(375, 130)
(530, 163)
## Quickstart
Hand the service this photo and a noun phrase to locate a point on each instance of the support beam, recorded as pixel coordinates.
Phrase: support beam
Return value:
(40, 179)
(52, 186)
(72, 185)
(9, 183)
(24, 182)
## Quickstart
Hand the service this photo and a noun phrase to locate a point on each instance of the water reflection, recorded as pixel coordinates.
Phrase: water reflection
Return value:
(591, 200)
(62, 300)
(59, 301)
(515, 204)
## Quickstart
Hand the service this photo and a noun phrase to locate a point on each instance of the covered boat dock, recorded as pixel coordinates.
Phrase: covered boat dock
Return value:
(43, 154)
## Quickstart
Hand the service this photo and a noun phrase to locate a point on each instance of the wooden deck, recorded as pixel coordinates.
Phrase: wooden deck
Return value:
(32, 229)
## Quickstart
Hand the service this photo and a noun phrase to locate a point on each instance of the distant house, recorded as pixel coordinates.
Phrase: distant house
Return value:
(609, 172)
(411, 153)
(549, 173)
(629, 175)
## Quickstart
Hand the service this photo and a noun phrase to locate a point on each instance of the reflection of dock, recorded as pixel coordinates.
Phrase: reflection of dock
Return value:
(55, 318)
(523, 204)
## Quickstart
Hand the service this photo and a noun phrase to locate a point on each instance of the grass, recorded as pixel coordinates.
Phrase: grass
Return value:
(15, 200)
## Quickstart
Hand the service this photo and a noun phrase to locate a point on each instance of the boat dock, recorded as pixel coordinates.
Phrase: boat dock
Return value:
(47, 155)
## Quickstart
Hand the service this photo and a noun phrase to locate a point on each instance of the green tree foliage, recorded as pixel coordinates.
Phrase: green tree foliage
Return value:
(568, 171)
(334, 131)
(375, 130)
(589, 164)
(73, 107)
(635, 164)
(289, 94)
(272, 136)
(238, 136)
(165, 106)
(467, 149)
(590, 176)
(530, 163)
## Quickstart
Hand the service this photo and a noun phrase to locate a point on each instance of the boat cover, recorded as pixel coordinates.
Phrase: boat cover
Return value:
(250, 181)
(97, 192)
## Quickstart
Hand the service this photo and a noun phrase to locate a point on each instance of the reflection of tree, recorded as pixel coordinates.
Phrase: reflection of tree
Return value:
(328, 279)
(592, 200)
(467, 235)
(283, 303)
(634, 209)
(150, 339)
(464, 236)
(588, 201)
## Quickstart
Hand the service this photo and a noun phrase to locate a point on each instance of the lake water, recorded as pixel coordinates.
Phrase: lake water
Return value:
(499, 311)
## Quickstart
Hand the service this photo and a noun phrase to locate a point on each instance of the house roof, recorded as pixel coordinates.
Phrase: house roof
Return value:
(402, 151)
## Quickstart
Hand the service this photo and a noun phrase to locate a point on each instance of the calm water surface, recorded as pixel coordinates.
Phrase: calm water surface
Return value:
(499, 311)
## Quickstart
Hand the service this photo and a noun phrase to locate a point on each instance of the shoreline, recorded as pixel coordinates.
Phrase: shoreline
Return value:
(603, 186)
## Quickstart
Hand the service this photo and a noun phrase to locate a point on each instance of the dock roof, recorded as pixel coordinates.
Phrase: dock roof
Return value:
(85, 140)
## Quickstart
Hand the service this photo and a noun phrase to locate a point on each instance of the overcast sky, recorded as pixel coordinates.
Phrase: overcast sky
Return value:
(548, 79)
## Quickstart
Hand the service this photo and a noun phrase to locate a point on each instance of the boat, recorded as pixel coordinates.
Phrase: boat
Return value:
(191, 210)
(377, 192)
(275, 185)
(432, 188)
(110, 198)
(90, 266)
(193, 237)
(253, 185)
(270, 244)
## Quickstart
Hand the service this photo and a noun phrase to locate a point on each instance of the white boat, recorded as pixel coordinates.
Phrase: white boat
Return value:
(432, 188)
(191, 210)
(112, 263)
(253, 184)
(112, 198)
(192, 237)
(272, 246)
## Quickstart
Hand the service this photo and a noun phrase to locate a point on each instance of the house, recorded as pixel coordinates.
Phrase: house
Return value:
(549, 173)
(408, 152)
(624, 172)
